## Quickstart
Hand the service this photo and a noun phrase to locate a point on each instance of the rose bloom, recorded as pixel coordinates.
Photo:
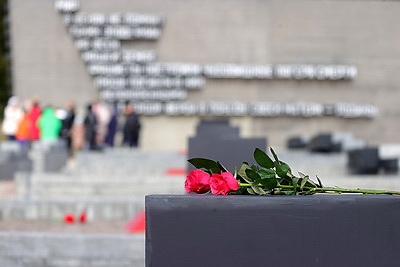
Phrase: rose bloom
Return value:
(197, 181)
(222, 184)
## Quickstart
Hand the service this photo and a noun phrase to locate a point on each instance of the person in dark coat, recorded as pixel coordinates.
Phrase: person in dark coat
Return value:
(67, 123)
(131, 127)
(112, 126)
(90, 123)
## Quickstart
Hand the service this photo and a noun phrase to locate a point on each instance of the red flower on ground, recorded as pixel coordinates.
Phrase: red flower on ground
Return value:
(222, 184)
(197, 181)
(69, 218)
(82, 217)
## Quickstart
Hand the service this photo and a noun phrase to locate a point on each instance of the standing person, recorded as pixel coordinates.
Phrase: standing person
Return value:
(22, 135)
(103, 115)
(132, 127)
(67, 123)
(49, 125)
(34, 114)
(112, 126)
(90, 123)
(12, 116)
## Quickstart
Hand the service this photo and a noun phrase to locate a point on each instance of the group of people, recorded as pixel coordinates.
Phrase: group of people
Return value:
(27, 122)
(101, 125)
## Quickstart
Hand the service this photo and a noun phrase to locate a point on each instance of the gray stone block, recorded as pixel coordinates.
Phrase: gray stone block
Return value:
(13, 158)
(217, 140)
(229, 152)
(8, 166)
(317, 230)
(49, 156)
(220, 129)
(363, 161)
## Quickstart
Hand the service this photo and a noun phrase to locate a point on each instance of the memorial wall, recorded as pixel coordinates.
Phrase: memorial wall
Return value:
(274, 68)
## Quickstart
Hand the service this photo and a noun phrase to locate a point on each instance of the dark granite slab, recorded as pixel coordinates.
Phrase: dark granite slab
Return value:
(318, 230)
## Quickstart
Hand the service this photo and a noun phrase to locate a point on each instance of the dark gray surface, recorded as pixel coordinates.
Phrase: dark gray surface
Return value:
(218, 140)
(230, 152)
(322, 143)
(55, 160)
(13, 158)
(216, 128)
(49, 156)
(296, 142)
(318, 230)
(363, 161)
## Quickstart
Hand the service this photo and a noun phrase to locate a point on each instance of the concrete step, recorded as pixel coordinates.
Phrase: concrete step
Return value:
(38, 186)
(55, 209)
(20, 249)
(96, 177)
(113, 164)
(129, 159)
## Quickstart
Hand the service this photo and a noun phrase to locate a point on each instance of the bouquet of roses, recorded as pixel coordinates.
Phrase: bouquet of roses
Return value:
(267, 177)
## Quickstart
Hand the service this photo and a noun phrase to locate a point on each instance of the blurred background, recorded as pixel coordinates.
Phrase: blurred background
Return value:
(102, 102)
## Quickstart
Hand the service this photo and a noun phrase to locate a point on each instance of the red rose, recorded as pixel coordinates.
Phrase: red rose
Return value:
(222, 184)
(197, 181)
(82, 217)
(69, 218)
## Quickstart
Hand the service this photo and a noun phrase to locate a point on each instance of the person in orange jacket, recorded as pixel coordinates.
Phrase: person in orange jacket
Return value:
(22, 134)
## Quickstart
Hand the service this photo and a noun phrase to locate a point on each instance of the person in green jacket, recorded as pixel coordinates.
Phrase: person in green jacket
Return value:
(49, 125)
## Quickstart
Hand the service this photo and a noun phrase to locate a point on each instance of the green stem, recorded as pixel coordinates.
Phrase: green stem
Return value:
(332, 189)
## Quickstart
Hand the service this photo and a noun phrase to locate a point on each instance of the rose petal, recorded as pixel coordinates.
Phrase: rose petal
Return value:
(231, 181)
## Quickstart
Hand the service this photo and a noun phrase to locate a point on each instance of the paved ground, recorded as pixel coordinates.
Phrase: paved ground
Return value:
(103, 227)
